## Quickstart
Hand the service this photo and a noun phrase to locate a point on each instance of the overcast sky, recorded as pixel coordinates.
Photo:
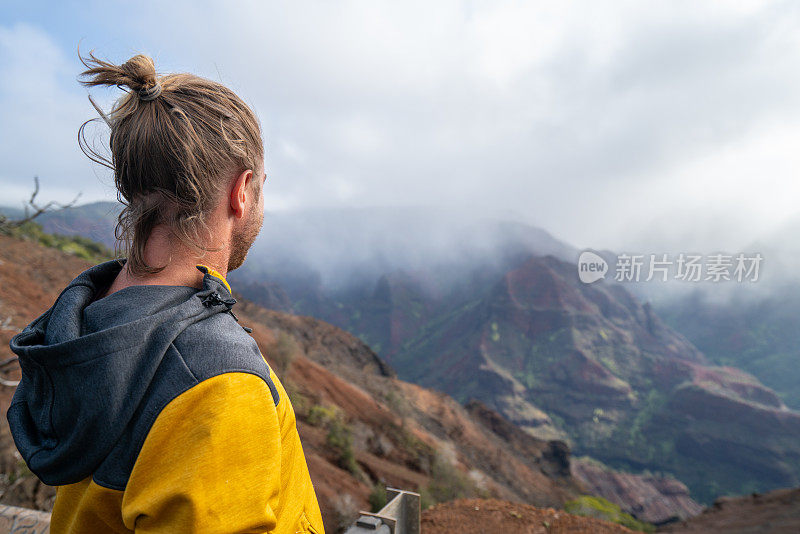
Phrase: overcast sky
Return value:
(610, 124)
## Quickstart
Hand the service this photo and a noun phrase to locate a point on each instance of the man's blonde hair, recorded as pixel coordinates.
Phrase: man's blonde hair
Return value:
(176, 141)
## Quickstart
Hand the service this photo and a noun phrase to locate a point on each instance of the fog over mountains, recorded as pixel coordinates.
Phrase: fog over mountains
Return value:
(491, 309)
(343, 245)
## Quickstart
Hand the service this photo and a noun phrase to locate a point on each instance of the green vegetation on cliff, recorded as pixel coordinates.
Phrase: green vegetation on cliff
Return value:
(598, 507)
(79, 246)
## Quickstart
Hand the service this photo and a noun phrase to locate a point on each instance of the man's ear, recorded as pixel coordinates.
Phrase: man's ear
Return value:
(240, 190)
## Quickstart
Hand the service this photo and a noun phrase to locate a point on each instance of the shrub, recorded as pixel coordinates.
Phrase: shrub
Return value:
(300, 402)
(340, 435)
(282, 352)
(447, 483)
(600, 508)
(340, 439)
(377, 498)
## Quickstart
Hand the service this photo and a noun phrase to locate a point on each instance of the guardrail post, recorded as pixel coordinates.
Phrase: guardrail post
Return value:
(400, 516)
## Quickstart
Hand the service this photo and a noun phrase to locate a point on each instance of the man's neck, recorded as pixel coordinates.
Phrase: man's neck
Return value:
(180, 265)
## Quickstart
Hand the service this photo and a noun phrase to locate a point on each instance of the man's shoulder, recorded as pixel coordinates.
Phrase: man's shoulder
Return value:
(206, 355)
(217, 345)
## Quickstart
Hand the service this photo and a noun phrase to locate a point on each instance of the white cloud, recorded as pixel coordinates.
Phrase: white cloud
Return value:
(41, 109)
(591, 120)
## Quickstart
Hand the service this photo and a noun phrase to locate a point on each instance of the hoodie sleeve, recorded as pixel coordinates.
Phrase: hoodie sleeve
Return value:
(210, 463)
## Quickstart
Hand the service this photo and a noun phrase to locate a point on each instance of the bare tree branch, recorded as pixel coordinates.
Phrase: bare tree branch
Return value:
(4, 381)
(8, 361)
(37, 209)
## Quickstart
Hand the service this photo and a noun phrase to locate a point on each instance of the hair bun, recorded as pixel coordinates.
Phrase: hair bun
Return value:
(142, 72)
(138, 73)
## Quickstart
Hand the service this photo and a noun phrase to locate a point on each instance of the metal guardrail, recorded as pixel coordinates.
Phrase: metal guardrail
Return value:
(16, 520)
(400, 516)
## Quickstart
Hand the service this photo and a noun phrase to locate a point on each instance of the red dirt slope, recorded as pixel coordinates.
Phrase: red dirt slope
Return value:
(482, 516)
(776, 512)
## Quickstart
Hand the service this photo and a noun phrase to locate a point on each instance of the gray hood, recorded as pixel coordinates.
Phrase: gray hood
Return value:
(87, 365)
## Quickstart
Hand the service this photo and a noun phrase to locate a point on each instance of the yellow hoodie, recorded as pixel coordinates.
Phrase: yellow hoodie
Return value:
(204, 440)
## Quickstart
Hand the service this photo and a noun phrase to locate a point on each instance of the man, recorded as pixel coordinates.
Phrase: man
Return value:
(141, 397)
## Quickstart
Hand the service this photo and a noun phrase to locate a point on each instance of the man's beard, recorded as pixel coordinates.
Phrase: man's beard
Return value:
(243, 239)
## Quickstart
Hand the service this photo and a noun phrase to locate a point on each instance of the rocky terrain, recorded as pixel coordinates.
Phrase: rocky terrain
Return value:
(776, 512)
(532, 366)
(757, 333)
(362, 428)
(480, 516)
(657, 500)
(591, 365)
